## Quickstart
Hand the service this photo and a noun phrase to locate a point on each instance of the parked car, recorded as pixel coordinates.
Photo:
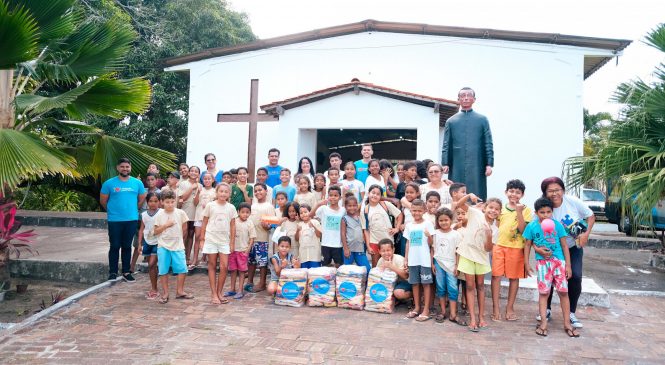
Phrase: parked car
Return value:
(625, 223)
(595, 200)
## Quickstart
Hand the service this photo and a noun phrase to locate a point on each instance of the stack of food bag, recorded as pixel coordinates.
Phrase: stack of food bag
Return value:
(380, 286)
(351, 286)
(321, 287)
(292, 287)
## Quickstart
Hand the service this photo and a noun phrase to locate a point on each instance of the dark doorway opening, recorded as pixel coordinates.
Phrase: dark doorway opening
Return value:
(394, 145)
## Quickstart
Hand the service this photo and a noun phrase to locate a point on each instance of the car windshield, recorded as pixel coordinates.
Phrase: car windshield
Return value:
(593, 195)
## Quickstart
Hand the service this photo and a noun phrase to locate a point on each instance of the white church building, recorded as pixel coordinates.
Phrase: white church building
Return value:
(405, 83)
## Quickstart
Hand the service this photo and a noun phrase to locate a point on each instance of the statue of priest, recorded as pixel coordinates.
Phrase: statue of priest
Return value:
(468, 152)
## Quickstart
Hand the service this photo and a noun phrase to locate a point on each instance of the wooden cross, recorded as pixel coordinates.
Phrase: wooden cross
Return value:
(253, 117)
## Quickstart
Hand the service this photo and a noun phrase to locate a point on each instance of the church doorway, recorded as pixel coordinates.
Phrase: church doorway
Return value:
(395, 145)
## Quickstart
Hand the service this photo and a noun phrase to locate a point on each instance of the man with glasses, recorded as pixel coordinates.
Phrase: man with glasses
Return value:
(468, 152)
(211, 166)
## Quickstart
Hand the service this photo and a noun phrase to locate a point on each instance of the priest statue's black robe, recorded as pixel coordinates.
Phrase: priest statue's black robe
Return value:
(467, 150)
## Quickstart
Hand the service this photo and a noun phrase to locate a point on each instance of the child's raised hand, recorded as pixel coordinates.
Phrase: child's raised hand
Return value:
(519, 208)
(284, 264)
(170, 222)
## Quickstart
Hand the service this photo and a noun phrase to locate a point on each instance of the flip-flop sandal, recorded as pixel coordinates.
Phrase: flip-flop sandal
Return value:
(511, 318)
(541, 331)
(412, 314)
(152, 296)
(422, 318)
(258, 290)
(249, 288)
(495, 318)
(571, 332)
(482, 326)
(229, 293)
(163, 300)
(440, 318)
(224, 301)
(458, 321)
(238, 295)
(184, 296)
(473, 329)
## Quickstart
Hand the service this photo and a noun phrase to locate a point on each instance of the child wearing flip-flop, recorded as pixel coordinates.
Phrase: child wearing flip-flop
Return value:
(170, 228)
(418, 259)
(552, 264)
(218, 237)
(473, 257)
(245, 235)
(444, 243)
(508, 252)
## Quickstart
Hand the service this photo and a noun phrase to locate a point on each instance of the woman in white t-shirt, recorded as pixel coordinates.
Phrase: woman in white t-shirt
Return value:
(573, 215)
(436, 183)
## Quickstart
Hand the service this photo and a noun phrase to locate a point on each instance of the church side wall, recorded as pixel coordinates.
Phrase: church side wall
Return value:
(531, 93)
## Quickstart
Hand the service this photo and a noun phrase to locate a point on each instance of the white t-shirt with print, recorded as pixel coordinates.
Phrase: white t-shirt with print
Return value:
(331, 221)
(572, 209)
(419, 253)
(445, 247)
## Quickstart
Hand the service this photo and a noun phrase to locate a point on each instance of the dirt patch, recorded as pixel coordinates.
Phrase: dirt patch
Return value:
(17, 307)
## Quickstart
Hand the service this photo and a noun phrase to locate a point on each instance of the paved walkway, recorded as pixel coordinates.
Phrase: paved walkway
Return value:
(118, 326)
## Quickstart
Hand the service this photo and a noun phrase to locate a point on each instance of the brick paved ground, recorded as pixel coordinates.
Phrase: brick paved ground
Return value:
(118, 326)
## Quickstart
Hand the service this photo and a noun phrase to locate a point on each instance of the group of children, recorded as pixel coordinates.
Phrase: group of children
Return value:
(449, 238)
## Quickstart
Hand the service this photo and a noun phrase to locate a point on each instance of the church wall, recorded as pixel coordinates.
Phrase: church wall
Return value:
(532, 94)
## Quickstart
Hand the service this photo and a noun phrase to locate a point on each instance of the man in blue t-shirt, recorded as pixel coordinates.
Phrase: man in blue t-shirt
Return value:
(362, 165)
(273, 168)
(121, 197)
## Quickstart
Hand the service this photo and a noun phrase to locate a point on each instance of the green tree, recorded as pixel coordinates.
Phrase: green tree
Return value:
(57, 70)
(169, 28)
(634, 155)
(596, 129)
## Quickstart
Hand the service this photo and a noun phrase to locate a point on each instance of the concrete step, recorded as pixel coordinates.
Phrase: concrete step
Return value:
(592, 293)
(62, 219)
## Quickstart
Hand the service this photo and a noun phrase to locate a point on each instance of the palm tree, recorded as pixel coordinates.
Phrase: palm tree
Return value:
(57, 70)
(633, 156)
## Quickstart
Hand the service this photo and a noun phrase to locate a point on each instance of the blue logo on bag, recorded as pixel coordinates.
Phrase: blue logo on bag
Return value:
(320, 286)
(378, 292)
(347, 290)
(290, 291)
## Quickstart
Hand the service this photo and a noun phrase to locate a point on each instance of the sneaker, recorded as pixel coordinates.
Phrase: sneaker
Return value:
(549, 316)
(575, 322)
(128, 278)
(113, 277)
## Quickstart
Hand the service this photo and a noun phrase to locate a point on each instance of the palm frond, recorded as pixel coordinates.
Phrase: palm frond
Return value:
(56, 18)
(23, 157)
(108, 150)
(38, 104)
(18, 35)
(656, 38)
(113, 98)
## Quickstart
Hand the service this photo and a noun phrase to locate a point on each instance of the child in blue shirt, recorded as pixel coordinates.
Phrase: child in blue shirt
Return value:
(552, 263)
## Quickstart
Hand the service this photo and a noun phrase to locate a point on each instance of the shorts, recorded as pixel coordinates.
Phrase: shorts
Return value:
(375, 247)
(331, 254)
(258, 254)
(550, 271)
(403, 285)
(198, 223)
(214, 248)
(472, 268)
(310, 264)
(508, 262)
(174, 260)
(420, 275)
(238, 261)
(149, 250)
(446, 283)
